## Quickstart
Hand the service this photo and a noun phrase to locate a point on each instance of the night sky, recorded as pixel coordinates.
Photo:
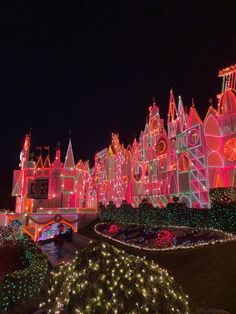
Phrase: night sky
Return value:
(94, 66)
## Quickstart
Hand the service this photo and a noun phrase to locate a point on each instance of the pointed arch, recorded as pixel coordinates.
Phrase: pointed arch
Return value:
(214, 159)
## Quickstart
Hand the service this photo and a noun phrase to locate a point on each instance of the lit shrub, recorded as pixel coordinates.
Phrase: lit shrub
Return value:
(103, 279)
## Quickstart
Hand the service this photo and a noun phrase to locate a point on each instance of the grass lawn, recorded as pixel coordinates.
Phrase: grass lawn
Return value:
(207, 274)
(10, 260)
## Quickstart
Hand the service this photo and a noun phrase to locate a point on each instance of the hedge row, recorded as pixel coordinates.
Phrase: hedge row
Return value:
(22, 285)
(220, 216)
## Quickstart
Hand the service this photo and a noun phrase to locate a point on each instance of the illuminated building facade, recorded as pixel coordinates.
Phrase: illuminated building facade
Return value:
(46, 185)
(185, 159)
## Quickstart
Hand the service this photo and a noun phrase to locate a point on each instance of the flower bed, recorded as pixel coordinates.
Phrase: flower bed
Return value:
(161, 238)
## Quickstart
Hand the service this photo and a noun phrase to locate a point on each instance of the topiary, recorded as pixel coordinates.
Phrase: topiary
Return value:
(102, 279)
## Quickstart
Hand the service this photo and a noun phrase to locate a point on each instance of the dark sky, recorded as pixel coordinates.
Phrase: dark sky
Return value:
(94, 66)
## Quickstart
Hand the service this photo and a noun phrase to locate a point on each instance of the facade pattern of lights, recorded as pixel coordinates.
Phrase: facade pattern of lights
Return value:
(186, 160)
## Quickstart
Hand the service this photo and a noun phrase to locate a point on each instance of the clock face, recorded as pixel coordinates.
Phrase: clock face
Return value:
(230, 149)
(68, 184)
(137, 172)
(193, 137)
(161, 147)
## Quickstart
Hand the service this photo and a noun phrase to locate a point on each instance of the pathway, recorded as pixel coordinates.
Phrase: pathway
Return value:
(58, 254)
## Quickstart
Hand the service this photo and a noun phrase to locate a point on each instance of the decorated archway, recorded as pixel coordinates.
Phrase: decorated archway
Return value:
(53, 229)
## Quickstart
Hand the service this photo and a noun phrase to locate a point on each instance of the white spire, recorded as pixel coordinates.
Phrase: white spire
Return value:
(69, 160)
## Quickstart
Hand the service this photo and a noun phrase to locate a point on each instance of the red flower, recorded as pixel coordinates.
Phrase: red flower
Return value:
(164, 238)
(113, 229)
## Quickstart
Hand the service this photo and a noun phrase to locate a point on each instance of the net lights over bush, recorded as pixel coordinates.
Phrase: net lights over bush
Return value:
(22, 285)
(103, 279)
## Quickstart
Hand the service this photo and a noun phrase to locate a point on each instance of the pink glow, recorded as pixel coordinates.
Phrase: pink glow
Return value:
(113, 229)
(186, 160)
(164, 238)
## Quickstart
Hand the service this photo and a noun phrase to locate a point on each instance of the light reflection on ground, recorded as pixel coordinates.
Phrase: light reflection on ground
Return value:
(57, 253)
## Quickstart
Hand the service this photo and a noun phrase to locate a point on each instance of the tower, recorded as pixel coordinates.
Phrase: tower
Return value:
(198, 162)
(182, 117)
(20, 180)
(228, 78)
(68, 178)
(24, 156)
(172, 116)
(56, 179)
(226, 120)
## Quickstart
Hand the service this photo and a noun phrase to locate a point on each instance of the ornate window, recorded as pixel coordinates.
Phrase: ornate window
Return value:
(230, 149)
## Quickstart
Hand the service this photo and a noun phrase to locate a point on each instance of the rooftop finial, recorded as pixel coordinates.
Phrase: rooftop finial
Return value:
(193, 104)
(210, 101)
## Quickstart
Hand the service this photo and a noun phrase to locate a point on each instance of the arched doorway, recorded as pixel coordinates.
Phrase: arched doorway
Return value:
(186, 200)
(54, 230)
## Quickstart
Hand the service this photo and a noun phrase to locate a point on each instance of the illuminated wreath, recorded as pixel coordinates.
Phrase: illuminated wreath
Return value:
(230, 149)
(161, 146)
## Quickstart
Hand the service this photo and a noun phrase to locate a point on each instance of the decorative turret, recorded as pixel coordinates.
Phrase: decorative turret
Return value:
(69, 160)
(69, 178)
(156, 124)
(57, 160)
(227, 98)
(172, 116)
(24, 156)
(115, 143)
(182, 121)
(172, 113)
(229, 77)
(193, 118)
